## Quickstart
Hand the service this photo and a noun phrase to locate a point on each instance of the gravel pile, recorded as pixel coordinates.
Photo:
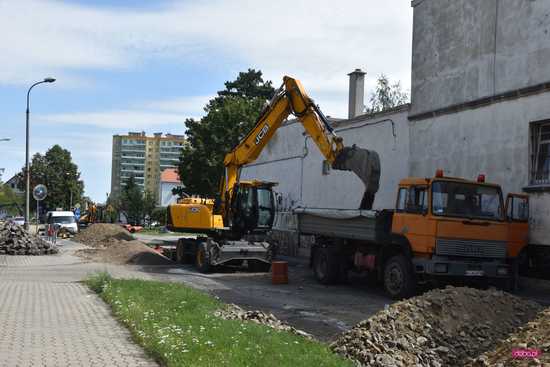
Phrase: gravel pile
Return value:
(533, 338)
(443, 327)
(15, 240)
(100, 234)
(234, 312)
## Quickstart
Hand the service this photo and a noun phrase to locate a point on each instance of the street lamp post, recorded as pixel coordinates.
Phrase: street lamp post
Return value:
(27, 170)
(68, 175)
(5, 139)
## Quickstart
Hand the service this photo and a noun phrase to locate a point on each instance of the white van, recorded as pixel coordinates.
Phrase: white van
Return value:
(65, 219)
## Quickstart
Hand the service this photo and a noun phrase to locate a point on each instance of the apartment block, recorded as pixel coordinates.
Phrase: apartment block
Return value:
(144, 158)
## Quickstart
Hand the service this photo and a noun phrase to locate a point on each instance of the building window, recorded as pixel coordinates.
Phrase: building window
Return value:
(540, 154)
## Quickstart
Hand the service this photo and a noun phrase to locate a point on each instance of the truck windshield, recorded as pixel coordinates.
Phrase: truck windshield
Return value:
(456, 199)
(62, 220)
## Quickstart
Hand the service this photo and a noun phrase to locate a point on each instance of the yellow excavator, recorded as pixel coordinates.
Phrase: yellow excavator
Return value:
(233, 228)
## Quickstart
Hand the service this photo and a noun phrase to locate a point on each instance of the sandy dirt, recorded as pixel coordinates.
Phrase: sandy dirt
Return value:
(113, 244)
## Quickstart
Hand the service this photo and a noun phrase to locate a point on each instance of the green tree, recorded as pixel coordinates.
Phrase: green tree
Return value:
(229, 117)
(149, 204)
(130, 202)
(10, 202)
(159, 215)
(386, 95)
(57, 171)
(134, 203)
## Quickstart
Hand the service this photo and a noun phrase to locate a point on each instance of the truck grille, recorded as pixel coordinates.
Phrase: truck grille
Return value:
(471, 248)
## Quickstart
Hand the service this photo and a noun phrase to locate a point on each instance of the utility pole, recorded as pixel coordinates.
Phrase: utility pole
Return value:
(27, 168)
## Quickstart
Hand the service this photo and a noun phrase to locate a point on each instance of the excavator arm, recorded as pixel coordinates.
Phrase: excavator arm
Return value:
(291, 98)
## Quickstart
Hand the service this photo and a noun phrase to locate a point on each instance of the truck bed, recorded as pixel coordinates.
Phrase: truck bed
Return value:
(367, 225)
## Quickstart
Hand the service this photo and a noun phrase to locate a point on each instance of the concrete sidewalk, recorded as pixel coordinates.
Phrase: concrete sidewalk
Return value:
(48, 318)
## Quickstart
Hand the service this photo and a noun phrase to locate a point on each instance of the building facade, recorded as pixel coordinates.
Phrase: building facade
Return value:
(144, 158)
(169, 180)
(14, 184)
(480, 103)
(481, 97)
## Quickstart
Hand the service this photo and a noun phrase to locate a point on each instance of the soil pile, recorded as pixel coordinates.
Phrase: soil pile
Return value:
(113, 244)
(530, 345)
(443, 327)
(15, 240)
(234, 312)
(98, 234)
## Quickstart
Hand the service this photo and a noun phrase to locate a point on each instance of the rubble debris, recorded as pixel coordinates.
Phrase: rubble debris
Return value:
(15, 240)
(532, 338)
(234, 312)
(113, 244)
(443, 327)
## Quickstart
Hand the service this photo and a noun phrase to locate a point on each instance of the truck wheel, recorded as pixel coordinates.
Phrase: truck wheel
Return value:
(202, 259)
(326, 266)
(180, 256)
(399, 280)
(257, 266)
(511, 283)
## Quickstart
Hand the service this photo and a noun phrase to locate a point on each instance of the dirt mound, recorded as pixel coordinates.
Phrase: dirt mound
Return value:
(124, 252)
(445, 327)
(113, 244)
(99, 234)
(531, 344)
(15, 240)
(234, 312)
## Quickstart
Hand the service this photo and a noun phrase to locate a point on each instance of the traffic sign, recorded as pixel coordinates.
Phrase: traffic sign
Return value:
(39, 192)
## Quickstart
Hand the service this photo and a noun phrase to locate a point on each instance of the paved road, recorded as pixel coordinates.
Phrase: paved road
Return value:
(47, 318)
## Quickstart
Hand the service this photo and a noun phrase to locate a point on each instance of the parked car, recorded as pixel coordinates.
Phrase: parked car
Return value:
(18, 220)
(65, 220)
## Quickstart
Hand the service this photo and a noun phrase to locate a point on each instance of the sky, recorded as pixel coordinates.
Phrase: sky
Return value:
(146, 65)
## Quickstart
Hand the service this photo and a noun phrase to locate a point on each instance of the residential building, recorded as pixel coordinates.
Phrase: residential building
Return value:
(480, 103)
(169, 179)
(144, 158)
(13, 183)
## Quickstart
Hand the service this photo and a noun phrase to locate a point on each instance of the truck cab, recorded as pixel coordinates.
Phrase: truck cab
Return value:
(458, 227)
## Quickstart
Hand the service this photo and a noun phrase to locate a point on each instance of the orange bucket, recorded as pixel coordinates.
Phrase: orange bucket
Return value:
(279, 272)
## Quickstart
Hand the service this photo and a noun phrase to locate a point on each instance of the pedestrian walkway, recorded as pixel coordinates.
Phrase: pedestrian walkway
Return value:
(48, 318)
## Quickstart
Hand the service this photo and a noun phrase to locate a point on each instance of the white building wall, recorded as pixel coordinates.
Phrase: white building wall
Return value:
(166, 196)
(493, 140)
(293, 160)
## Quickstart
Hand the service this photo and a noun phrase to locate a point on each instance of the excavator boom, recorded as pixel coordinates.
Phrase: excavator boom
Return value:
(291, 98)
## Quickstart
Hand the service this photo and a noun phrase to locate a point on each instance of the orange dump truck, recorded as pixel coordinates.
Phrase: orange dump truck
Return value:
(440, 227)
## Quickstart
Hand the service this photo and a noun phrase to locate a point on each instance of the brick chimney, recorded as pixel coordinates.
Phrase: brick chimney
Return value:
(356, 93)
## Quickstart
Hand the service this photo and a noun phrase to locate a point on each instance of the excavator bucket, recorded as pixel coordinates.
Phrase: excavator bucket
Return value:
(366, 165)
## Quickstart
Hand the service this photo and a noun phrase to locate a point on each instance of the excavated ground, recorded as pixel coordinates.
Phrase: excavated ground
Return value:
(443, 327)
(113, 244)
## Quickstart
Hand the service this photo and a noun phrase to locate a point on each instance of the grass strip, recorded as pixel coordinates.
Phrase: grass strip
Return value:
(175, 324)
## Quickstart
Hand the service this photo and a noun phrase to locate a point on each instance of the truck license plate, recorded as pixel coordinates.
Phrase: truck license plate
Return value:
(474, 273)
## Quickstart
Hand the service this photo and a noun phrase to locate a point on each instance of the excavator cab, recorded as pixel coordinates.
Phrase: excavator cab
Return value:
(252, 208)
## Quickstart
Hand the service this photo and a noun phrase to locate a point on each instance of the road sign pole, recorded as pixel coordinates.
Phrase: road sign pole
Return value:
(37, 215)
